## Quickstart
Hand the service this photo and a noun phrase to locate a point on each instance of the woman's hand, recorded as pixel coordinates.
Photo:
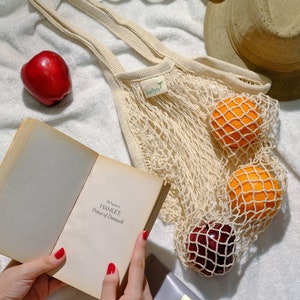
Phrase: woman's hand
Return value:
(29, 281)
(137, 287)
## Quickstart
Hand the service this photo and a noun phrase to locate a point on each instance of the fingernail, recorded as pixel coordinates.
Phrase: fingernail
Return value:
(111, 268)
(145, 234)
(59, 253)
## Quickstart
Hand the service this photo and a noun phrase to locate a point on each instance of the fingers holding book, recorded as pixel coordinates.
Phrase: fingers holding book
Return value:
(19, 281)
(137, 286)
(28, 280)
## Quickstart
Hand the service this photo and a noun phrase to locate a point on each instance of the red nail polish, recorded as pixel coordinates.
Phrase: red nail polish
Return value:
(111, 268)
(59, 253)
(145, 235)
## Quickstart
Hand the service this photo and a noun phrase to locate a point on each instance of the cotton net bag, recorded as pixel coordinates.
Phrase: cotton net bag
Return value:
(204, 125)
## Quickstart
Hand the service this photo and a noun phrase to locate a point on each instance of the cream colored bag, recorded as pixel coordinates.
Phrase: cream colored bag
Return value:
(205, 126)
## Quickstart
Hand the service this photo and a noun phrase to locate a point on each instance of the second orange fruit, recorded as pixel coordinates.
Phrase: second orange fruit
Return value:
(255, 192)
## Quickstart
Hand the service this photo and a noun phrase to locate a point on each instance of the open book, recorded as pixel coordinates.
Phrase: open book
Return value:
(56, 192)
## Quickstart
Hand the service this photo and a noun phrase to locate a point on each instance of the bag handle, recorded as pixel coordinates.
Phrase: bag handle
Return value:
(142, 42)
(137, 38)
(147, 45)
(103, 53)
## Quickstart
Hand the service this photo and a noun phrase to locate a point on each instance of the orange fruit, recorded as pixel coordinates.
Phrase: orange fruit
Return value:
(254, 192)
(235, 122)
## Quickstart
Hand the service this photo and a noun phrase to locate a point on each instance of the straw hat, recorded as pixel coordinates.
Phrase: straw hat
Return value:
(261, 35)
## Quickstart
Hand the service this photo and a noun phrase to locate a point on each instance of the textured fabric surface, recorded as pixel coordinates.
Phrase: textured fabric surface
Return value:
(89, 115)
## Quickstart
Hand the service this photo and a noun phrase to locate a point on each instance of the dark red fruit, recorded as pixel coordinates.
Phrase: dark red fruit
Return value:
(211, 248)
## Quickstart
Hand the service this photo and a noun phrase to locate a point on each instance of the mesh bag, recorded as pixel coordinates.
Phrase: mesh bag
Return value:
(205, 126)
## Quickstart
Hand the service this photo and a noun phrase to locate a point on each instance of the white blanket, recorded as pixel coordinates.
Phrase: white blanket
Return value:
(271, 269)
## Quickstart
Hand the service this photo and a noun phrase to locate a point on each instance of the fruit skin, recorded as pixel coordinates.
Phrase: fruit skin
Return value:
(235, 122)
(211, 248)
(254, 192)
(46, 77)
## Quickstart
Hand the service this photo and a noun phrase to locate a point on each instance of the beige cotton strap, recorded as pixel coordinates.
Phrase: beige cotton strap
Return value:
(138, 38)
(121, 28)
(149, 47)
(103, 53)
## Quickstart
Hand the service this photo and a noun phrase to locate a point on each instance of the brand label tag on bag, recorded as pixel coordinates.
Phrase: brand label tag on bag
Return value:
(154, 86)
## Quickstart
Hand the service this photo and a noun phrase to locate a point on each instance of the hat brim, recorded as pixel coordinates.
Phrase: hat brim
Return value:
(218, 45)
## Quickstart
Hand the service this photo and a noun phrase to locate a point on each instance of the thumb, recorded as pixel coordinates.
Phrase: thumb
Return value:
(110, 283)
(43, 265)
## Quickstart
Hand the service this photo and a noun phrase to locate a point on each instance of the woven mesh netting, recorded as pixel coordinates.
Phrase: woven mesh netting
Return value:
(215, 147)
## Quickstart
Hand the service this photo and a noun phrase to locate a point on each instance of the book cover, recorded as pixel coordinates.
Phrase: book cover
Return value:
(56, 192)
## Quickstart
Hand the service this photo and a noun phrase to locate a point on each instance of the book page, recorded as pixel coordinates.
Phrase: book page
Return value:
(40, 179)
(112, 209)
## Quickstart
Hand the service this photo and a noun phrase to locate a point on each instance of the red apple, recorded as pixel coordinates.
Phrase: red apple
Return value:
(211, 248)
(46, 77)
